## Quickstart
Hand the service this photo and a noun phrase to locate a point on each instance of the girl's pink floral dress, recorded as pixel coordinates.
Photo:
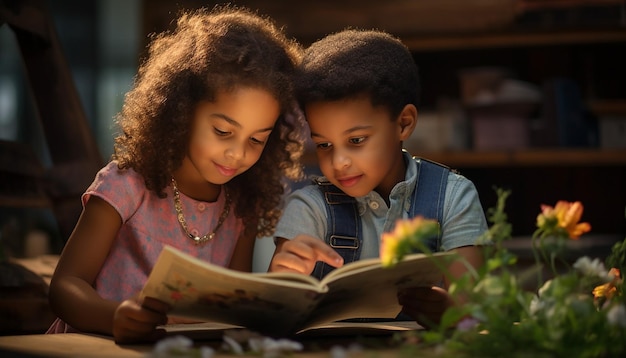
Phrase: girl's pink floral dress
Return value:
(149, 223)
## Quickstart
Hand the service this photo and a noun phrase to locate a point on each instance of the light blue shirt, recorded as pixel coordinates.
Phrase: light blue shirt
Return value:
(463, 216)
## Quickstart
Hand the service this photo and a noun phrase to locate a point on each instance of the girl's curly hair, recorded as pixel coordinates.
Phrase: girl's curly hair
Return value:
(211, 51)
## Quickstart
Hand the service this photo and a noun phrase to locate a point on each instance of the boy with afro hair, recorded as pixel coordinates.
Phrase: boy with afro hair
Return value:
(359, 91)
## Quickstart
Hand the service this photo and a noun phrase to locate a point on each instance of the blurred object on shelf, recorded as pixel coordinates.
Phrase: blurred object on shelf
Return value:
(495, 85)
(565, 119)
(612, 131)
(442, 129)
(499, 107)
(475, 82)
(501, 126)
(428, 134)
(611, 122)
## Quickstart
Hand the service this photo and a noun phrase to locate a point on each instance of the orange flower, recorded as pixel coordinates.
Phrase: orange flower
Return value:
(406, 236)
(563, 219)
(609, 289)
(569, 219)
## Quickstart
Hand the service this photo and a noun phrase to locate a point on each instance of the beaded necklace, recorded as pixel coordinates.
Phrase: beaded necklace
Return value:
(183, 223)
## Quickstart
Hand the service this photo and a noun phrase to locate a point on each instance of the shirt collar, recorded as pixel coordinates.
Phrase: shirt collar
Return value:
(401, 191)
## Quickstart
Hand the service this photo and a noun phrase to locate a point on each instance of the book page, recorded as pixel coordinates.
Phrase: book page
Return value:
(202, 291)
(370, 291)
(215, 331)
(296, 278)
(374, 264)
(359, 329)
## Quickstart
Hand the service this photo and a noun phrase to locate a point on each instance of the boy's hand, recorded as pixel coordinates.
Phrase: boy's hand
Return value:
(136, 321)
(301, 253)
(425, 305)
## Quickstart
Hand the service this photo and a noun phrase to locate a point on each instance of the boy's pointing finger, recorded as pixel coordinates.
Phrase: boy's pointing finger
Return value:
(323, 252)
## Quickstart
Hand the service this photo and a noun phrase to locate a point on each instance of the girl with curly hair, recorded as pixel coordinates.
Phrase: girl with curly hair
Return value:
(207, 135)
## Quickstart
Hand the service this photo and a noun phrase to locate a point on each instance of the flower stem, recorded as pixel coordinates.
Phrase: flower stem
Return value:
(552, 263)
(537, 261)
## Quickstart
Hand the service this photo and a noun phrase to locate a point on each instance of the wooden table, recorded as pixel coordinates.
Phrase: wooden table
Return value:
(90, 345)
(68, 345)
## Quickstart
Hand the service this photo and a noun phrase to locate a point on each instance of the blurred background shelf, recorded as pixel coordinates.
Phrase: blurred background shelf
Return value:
(531, 157)
(518, 158)
(529, 42)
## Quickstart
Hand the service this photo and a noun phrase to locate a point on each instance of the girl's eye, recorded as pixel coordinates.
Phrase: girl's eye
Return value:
(324, 145)
(220, 132)
(357, 140)
(257, 141)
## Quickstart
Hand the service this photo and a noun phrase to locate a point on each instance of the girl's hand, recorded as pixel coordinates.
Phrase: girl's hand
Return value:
(301, 253)
(425, 305)
(136, 321)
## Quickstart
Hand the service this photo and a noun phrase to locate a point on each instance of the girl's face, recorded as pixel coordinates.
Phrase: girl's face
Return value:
(358, 146)
(228, 135)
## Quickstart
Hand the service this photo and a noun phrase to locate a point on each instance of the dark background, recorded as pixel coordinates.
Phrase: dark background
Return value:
(536, 41)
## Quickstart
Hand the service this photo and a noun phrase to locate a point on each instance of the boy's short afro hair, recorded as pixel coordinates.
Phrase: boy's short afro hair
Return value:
(356, 62)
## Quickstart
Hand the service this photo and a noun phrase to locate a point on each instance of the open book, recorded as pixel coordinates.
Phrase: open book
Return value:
(282, 304)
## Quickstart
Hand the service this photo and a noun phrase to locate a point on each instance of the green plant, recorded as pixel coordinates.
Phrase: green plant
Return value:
(580, 312)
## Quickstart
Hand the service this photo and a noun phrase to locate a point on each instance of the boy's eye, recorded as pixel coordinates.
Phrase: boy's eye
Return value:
(324, 145)
(357, 140)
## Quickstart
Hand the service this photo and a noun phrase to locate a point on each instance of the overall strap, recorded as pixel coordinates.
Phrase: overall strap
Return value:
(429, 195)
(344, 225)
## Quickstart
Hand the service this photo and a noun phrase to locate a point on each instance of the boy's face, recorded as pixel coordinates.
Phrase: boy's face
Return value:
(358, 146)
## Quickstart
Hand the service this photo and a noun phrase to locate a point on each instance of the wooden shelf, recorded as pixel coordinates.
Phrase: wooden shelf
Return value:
(608, 107)
(514, 39)
(530, 157)
(533, 5)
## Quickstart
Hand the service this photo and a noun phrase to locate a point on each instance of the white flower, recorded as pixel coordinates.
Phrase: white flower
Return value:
(179, 346)
(591, 268)
(617, 315)
(206, 352)
(536, 305)
(544, 288)
(273, 347)
(338, 351)
(235, 341)
(232, 345)
(175, 344)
